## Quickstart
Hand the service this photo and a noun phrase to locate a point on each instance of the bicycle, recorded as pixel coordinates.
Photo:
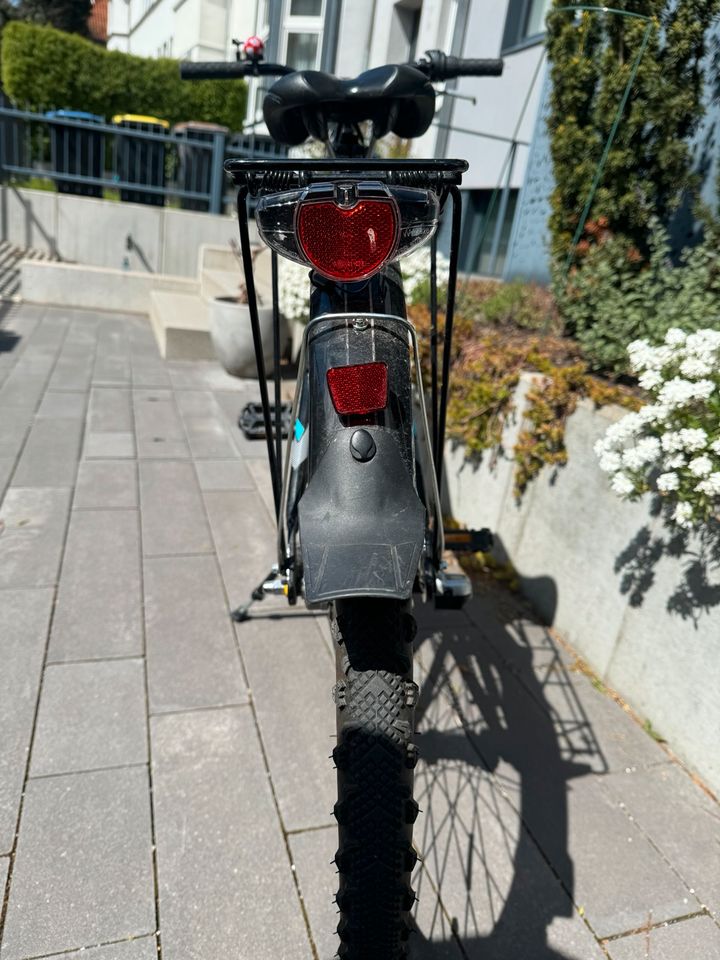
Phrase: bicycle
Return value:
(358, 498)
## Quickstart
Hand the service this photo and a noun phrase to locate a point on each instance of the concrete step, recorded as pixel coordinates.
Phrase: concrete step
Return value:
(180, 323)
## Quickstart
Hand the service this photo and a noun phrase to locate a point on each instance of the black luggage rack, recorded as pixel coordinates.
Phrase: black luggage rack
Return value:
(258, 177)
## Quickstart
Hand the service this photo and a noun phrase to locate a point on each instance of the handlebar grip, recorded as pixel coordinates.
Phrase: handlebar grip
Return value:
(439, 66)
(457, 67)
(207, 70)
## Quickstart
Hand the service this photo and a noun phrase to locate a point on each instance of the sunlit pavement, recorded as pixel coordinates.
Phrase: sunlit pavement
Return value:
(165, 787)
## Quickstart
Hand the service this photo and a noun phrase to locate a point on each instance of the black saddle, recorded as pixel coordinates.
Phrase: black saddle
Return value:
(397, 99)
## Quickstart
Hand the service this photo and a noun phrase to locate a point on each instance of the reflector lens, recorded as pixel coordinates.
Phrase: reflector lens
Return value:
(347, 244)
(359, 389)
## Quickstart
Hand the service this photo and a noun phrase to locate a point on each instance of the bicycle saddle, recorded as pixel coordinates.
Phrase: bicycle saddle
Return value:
(396, 98)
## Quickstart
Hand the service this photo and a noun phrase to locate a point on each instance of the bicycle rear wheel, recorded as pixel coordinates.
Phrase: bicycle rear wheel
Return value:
(375, 699)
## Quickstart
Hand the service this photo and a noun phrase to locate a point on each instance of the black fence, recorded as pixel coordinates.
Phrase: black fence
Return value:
(133, 159)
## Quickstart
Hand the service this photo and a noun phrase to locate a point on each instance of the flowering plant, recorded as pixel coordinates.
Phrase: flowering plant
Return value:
(295, 286)
(672, 445)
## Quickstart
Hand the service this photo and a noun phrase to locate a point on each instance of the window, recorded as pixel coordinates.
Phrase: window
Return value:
(404, 28)
(302, 33)
(525, 22)
(477, 253)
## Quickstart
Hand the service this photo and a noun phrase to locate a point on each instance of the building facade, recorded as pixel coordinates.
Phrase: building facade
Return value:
(488, 121)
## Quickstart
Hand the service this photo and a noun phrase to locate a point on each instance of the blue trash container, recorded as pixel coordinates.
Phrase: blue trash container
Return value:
(79, 151)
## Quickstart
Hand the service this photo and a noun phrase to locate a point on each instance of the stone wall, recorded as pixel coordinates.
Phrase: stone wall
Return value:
(640, 603)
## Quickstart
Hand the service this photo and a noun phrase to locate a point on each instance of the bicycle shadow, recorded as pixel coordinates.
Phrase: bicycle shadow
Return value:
(502, 732)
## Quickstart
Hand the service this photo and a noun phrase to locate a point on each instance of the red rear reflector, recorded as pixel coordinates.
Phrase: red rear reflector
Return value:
(347, 244)
(359, 389)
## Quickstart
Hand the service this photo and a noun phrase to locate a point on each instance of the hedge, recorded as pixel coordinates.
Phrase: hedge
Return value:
(46, 69)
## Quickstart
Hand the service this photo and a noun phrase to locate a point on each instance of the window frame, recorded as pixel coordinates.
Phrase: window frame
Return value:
(513, 40)
(302, 24)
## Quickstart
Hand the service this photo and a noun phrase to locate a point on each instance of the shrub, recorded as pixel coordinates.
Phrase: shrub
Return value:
(614, 297)
(672, 446)
(44, 69)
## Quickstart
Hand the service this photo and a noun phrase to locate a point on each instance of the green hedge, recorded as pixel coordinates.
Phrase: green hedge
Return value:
(45, 69)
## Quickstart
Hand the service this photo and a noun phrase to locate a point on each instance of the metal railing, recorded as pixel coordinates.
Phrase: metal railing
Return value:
(140, 163)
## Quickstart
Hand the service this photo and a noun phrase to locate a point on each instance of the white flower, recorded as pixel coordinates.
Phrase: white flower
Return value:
(715, 446)
(650, 379)
(710, 486)
(675, 462)
(691, 439)
(694, 367)
(675, 337)
(678, 392)
(622, 484)
(667, 482)
(683, 514)
(700, 466)
(623, 430)
(703, 344)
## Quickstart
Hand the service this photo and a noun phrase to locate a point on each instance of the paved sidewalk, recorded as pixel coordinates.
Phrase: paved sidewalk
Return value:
(165, 787)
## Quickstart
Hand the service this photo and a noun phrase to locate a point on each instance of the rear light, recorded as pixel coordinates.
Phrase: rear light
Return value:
(359, 389)
(347, 229)
(347, 243)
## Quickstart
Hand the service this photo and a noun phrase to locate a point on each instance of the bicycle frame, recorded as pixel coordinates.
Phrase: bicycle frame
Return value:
(258, 178)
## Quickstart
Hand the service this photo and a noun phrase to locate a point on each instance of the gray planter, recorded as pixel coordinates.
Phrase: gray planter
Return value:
(232, 336)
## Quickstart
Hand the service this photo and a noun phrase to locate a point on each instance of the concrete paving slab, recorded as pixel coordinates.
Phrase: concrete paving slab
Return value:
(231, 404)
(680, 820)
(159, 430)
(4, 867)
(223, 475)
(62, 406)
(24, 618)
(312, 855)
(225, 884)
(99, 601)
(109, 445)
(50, 455)
(697, 937)
(260, 472)
(144, 948)
(110, 410)
(106, 483)
(92, 715)
(83, 868)
(32, 521)
(291, 675)
(173, 515)
(71, 373)
(23, 390)
(13, 430)
(192, 658)
(244, 540)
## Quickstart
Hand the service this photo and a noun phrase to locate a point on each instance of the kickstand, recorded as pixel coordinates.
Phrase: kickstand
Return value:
(241, 614)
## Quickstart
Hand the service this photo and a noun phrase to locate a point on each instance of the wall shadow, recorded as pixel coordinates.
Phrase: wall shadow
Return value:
(695, 554)
(502, 732)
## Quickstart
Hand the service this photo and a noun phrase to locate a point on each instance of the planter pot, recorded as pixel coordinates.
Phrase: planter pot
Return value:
(232, 339)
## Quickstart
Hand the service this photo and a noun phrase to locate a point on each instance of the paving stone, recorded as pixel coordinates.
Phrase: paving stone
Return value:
(681, 820)
(106, 483)
(313, 853)
(7, 465)
(72, 373)
(144, 948)
(109, 445)
(32, 530)
(92, 715)
(110, 410)
(24, 617)
(205, 375)
(260, 472)
(173, 515)
(22, 389)
(223, 475)
(158, 428)
(50, 455)
(62, 406)
(13, 430)
(207, 432)
(244, 541)
(292, 675)
(83, 868)
(4, 867)
(231, 404)
(697, 937)
(191, 654)
(149, 372)
(225, 884)
(98, 607)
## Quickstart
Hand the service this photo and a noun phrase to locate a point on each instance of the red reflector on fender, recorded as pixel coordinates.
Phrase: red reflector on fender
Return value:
(359, 389)
(347, 244)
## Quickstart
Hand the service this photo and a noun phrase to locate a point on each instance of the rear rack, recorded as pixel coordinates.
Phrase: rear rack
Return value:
(268, 176)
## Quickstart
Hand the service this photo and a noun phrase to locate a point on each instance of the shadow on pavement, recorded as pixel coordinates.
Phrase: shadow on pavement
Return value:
(502, 732)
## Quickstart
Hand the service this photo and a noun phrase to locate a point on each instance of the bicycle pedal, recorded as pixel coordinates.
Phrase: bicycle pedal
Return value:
(252, 422)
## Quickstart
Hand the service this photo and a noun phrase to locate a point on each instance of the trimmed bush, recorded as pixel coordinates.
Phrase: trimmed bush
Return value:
(45, 69)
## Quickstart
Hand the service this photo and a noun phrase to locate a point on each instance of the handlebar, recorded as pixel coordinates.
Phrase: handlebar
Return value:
(436, 66)
(208, 70)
